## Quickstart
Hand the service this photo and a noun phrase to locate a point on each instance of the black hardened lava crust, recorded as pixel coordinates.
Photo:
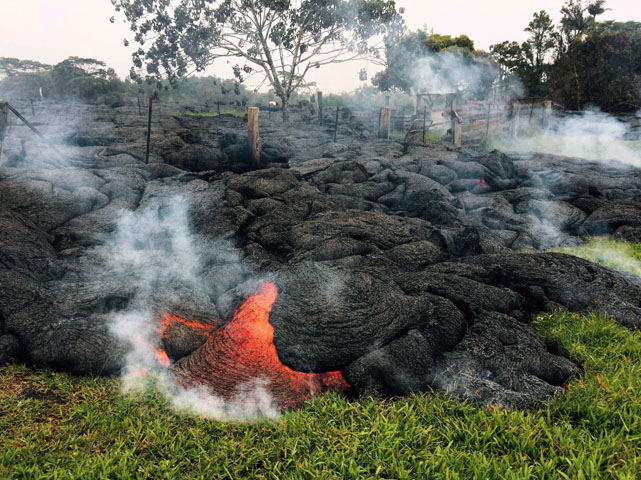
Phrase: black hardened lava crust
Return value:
(400, 265)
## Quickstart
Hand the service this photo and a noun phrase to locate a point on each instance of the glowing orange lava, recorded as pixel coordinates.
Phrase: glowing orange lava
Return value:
(244, 351)
(162, 358)
(168, 319)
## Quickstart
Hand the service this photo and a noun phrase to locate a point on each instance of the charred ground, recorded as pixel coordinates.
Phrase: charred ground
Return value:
(397, 264)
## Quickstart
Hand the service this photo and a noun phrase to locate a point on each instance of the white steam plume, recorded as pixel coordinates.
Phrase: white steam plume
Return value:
(155, 253)
(592, 135)
(447, 72)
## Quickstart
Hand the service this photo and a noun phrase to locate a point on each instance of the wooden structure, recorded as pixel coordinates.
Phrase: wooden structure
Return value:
(384, 122)
(455, 120)
(475, 122)
(539, 113)
(253, 136)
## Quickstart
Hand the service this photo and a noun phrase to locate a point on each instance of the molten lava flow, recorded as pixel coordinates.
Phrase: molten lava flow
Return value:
(168, 319)
(243, 351)
(162, 358)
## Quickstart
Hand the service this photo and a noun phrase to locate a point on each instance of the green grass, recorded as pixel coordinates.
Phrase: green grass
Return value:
(54, 425)
(58, 426)
(611, 253)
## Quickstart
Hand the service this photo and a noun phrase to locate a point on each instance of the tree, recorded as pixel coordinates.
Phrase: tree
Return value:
(541, 41)
(516, 67)
(84, 78)
(575, 22)
(10, 67)
(602, 70)
(280, 39)
(596, 8)
(436, 42)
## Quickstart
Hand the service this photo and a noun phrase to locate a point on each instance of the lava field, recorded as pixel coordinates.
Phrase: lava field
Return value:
(363, 265)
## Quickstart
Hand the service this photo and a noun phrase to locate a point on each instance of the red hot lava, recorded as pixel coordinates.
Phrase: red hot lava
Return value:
(168, 319)
(243, 351)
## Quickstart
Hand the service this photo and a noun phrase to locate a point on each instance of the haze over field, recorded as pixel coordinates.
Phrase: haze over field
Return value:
(49, 31)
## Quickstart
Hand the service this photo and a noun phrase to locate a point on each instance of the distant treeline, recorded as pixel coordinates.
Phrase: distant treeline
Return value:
(90, 80)
(580, 62)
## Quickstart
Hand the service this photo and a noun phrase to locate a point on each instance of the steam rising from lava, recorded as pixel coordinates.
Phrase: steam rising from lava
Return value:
(592, 135)
(236, 374)
(156, 257)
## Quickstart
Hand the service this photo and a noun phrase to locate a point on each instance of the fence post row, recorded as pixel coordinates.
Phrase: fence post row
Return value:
(252, 135)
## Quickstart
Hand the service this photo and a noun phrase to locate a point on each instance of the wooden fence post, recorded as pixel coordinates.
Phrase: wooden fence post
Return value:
(336, 124)
(424, 121)
(548, 113)
(418, 101)
(516, 111)
(139, 107)
(4, 122)
(148, 130)
(319, 96)
(33, 110)
(455, 125)
(384, 121)
(458, 134)
(253, 136)
(529, 122)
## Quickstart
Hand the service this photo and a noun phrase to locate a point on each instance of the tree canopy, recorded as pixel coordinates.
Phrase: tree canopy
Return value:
(85, 79)
(596, 63)
(281, 40)
(10, 67)
(604, 69)
(527, 60)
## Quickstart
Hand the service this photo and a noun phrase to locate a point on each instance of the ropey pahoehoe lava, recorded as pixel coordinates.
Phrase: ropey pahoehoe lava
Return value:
(399, 265)
(242, 352)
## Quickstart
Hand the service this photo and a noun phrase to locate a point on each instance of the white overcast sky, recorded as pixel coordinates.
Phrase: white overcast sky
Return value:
(51, 30)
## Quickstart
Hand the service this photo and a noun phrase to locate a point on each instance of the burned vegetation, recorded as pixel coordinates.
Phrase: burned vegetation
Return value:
(362, 265)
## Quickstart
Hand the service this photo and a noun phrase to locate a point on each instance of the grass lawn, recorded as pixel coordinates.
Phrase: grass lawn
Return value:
(611, 253)
(55, 425)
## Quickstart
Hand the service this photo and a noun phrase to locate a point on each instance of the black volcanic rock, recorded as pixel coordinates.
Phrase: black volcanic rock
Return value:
(398, 265)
